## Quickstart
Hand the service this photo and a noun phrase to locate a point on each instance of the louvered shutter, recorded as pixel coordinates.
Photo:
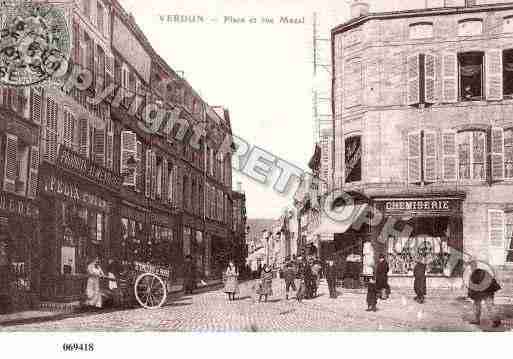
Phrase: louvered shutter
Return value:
(109, 154)
(414, 164)
(429, 78)
(69, 129)
(76, 42)
(33, 172)
(430, 170)
(497, 153)
(493, 75)
(165, 174)
(139, 176)
(413, 82)
(99, 146)
(11, 162)
(153, 171)
(83, 137)
(109, 70)
(147, 174)
(36, 104)
(449, 155)
(51, 130)
(496, 230)
(450, 77)
(128, 150)
(176, 191)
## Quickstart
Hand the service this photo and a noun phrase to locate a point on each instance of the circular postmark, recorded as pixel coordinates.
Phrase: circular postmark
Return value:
(34, 43)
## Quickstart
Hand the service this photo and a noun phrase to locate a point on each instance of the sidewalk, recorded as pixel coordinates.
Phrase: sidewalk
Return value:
(33, 316)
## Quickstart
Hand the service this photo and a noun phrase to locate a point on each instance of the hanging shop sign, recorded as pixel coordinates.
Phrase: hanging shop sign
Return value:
(72, 161)
(18, 206)
(70, 190)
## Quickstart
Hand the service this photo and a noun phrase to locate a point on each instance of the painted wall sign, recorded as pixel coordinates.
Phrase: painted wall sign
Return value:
(70, 190)
(74, 162)
(19, 206)
(443, 205)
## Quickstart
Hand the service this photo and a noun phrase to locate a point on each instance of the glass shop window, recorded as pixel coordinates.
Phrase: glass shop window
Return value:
(471, 68)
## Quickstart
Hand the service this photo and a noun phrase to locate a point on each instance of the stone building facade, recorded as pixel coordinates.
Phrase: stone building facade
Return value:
(422, 108)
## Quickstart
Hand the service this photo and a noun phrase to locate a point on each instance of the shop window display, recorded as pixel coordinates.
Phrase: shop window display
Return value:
(429, 241)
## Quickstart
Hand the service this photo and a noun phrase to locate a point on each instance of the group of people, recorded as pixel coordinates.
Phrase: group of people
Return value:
(98, 296)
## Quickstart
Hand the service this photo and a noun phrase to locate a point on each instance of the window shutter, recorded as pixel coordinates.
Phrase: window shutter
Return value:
(449, 155)
(36, 104)
(450, 77)
(494, 75)
(11, 162)
(109, 70)
(99, 146)
(165, 179)
(69, 129)
(51, 130)
(139, 169)
(413, 82)
(153, 170)
(128, 149)
(147, 174)
(430, 170)
(33, 172)
(496, 230)
(497, 153)
(414, 165)
(83, 137)
(429, 78)
(176, 187)
(109, 155)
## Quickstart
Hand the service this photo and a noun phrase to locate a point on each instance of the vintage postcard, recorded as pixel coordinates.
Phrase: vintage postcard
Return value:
(256, 166)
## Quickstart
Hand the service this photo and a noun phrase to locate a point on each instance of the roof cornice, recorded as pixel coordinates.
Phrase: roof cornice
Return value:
(418, 13)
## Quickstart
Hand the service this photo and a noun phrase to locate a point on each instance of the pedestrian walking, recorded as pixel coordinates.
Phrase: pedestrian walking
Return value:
(301, 290)
(372, 295)
(419, 283)
(289, 275)
(482, 288)
(381, 278)
(266, 284)
(189, 275)
(331, 278)
(316, 271)
(231, 284)
(94, 294)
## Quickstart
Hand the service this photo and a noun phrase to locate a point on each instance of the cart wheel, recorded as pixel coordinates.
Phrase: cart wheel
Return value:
(150, 291)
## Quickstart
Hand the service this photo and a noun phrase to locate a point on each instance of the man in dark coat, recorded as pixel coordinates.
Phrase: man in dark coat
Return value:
(289, 275)
(189, 275)
(372, 298)
(382, 277)
(419, 283)
(482, 287)
(331, 278)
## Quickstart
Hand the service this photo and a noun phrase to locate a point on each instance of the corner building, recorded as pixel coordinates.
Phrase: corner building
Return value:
(423, 129)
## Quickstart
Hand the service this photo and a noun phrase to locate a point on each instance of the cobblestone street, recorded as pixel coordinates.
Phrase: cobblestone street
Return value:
(210, 311)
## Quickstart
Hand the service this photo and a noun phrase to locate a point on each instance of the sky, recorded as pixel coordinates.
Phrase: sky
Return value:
(262, 73)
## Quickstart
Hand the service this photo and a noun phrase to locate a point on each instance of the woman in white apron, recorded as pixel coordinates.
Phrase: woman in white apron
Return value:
(93, 291)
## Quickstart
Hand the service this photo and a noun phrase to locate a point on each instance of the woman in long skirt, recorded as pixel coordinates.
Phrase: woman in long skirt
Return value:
(266, 286)
(231, 284)
(93, 292)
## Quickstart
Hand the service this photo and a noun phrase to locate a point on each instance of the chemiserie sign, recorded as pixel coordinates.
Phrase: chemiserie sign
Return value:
(419, 205)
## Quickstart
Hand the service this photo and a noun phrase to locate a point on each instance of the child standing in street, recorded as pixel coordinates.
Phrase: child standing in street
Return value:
(372, 295)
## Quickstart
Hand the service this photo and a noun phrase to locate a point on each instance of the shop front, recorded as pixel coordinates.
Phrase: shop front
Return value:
(19, 274)
(419, 228)
(195, 244)
(77, 205)
(219, 249)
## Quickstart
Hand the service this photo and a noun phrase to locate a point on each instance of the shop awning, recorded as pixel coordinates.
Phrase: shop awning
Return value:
(339, 221)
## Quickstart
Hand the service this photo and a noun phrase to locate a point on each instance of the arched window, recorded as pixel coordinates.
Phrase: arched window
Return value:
(507, 24)
(471, 155)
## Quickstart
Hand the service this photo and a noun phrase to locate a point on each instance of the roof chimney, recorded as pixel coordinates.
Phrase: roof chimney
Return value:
(359, 8)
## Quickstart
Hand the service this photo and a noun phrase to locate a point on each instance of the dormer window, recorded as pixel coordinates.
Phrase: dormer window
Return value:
(470, 27)
(421, 30)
